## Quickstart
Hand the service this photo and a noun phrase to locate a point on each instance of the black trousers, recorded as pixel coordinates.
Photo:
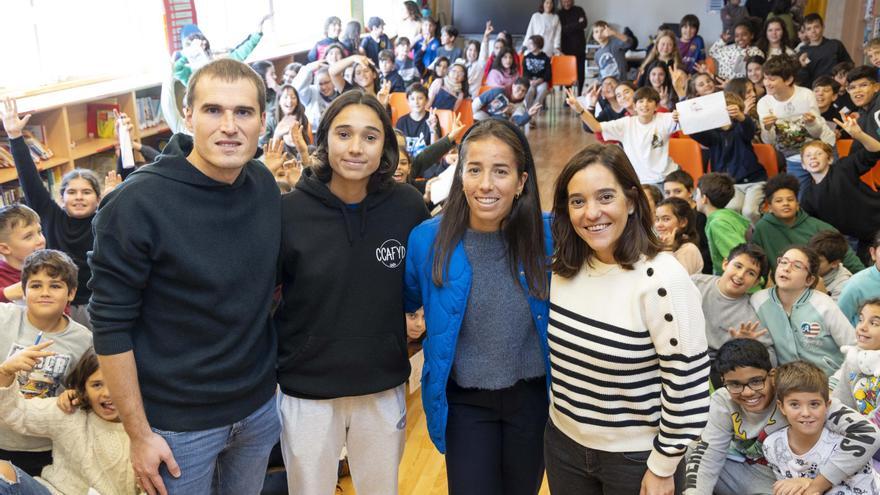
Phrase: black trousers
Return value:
(30, 462)
(573, 469)
(494, 439)
(580, 53)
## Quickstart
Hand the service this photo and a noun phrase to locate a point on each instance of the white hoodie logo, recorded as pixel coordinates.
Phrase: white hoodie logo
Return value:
(391, 253)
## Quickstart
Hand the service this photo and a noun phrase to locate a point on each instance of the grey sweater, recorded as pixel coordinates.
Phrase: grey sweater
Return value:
(498, 343)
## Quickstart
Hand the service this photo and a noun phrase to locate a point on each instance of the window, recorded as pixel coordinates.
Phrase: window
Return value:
(226, 23)
(55, 41)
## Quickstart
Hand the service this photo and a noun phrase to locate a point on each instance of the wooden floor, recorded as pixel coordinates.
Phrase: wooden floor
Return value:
(557, 137)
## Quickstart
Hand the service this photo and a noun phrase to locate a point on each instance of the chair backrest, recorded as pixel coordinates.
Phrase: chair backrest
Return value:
(766, 154)
(466, 112)
(563, 70)
(395, 116)
(398, 101)
(872, 177)
(484, 88)
(686, 153)
(843, 147)
(444, 118)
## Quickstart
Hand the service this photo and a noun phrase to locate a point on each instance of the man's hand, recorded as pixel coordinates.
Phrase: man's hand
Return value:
(147, 454)
(656, 485)
(11, 122)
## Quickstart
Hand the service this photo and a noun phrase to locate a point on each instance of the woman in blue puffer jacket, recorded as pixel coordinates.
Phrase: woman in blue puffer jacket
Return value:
(481, 272)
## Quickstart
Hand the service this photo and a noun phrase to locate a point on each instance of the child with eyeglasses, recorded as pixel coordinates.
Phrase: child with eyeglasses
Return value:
(729, 457)
(805, 324)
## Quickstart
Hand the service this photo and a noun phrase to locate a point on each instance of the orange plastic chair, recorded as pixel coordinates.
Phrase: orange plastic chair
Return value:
(766, 154)
(395, 115)
(872, 177)
(686, 153)
(398, 102)
(466, 112)
(484, 88)
(711, 65)
(445, 119)
(843, 147)
(563, 70)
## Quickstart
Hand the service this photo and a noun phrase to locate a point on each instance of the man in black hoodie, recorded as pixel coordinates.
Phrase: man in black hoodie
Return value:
(183, 270)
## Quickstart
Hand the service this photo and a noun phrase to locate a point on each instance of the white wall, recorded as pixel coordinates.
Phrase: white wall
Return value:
(645, 16)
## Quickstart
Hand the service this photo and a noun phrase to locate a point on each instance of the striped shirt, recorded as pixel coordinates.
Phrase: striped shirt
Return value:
(629, 362)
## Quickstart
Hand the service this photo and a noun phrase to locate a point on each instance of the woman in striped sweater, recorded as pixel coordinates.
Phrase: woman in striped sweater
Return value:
(629, 367)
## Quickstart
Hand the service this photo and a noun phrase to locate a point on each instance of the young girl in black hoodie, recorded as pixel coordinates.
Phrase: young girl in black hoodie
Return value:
(342, 357)
(67, 228)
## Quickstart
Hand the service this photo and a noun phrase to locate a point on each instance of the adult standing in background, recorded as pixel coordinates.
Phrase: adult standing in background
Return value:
(410, 24)
(760, 8)
(545, 22)
(573, 21)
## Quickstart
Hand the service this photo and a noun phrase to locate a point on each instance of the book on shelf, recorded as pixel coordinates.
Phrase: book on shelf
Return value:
(97, 117)
(11, 192)
(34, 137)
(148, 113)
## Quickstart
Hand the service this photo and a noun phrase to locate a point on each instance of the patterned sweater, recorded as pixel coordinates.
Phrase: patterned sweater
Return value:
(87, 451)
(628, 356)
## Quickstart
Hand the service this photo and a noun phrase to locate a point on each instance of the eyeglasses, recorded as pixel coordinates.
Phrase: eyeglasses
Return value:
(798, 265)
(756, 384)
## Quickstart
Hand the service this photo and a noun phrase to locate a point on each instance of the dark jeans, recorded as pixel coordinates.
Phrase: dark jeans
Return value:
(494, 439)
(31, 463)
(573, 469)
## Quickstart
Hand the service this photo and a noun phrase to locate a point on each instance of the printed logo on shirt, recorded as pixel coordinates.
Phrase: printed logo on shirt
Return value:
(811, 329)
(391, 253)
(46, 377)
(415, 145)
(656, 141)
(864, 392)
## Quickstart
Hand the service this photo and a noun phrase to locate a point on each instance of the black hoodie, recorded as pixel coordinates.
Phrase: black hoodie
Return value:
(341, 324)
(183, 272)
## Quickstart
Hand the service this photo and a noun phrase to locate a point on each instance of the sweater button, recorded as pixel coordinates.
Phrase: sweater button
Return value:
(662, 292)
(673, 342)
(668, 317)
(650, 272)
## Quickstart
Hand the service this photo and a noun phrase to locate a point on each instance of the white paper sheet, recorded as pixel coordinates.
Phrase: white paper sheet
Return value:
(125, 151)
(440, 187)
(703, 113)
(793, 108)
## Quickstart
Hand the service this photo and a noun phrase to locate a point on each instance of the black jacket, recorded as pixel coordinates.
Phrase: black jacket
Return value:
(573, 23)
(341, 324)
(183, 273)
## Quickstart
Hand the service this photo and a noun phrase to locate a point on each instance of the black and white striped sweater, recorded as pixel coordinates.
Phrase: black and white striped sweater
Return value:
(629, 361)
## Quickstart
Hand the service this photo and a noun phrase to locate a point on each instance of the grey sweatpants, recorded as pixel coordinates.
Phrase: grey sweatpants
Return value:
(739, 478)
(372, 428)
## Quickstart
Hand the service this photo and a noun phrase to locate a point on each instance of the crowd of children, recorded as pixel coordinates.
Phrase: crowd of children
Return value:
(786, 262)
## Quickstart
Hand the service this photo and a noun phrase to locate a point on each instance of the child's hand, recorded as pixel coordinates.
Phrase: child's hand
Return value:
(363, 60)
(384, 93)
(750, 104)
(13, 292)
(664, 95)
(296, 135)
(804, 59)
(849, 124)
(432, 119)
(111, 180)
(572, 101)
(535, 109)
(735, 113)
(26, 359)
(67, 401)
(274, 154)
(488, 30)
(457, 128)
(748, 330)
(11, 122)
(675, 116)
(768, 121)
(794, 486)
(809, 118)
(592, 95)
(679, 81)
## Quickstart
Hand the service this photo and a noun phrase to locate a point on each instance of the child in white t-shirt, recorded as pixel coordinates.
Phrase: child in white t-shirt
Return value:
(795, 453)
(645, 137)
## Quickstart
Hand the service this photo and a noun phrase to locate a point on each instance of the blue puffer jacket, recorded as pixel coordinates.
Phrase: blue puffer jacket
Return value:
(444, 310)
